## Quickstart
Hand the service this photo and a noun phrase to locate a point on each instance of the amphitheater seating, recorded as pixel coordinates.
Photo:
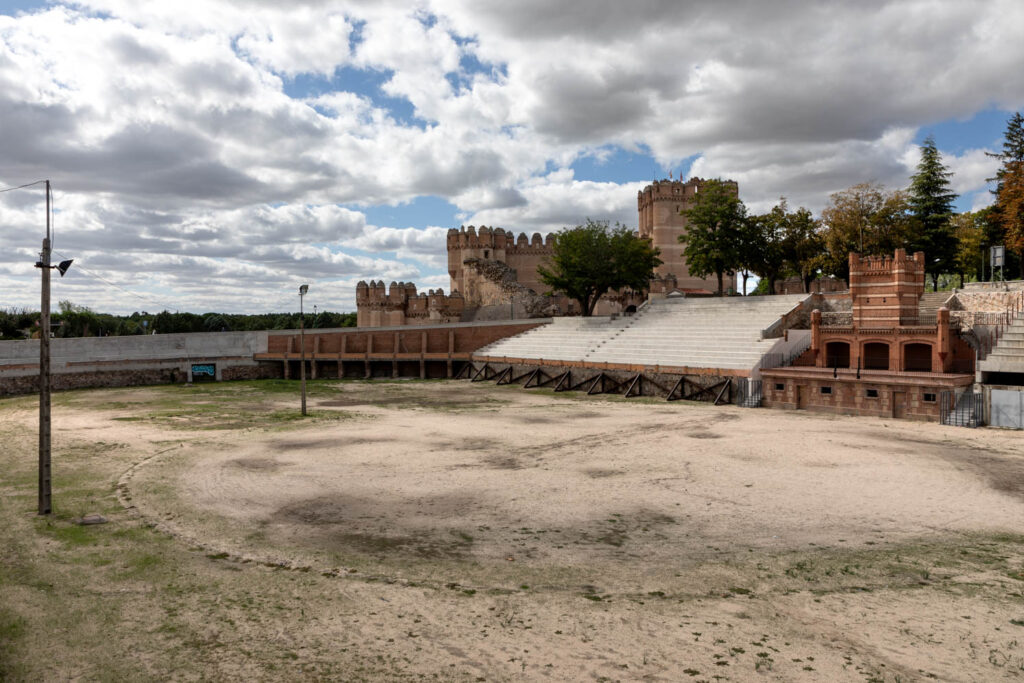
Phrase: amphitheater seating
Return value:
(678, 332)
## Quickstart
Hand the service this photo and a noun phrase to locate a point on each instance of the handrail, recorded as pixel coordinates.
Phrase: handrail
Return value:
(782, 319)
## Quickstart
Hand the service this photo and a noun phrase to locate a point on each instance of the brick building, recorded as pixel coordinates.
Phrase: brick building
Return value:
(887, 360)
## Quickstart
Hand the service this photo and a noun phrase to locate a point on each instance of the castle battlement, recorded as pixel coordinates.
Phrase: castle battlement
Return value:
(400, 304)
(885, 290)
(473, 250)
(484, 237)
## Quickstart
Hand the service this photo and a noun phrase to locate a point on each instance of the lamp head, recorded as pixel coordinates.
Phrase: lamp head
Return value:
(63, 266)
(303, 289)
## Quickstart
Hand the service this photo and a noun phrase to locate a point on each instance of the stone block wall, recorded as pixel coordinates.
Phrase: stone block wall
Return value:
(846, 395)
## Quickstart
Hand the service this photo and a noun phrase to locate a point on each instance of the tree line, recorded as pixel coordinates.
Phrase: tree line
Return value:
(72, 320)
(722, 237)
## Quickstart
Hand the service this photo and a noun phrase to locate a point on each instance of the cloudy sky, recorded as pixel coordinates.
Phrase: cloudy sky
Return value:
(215, 154)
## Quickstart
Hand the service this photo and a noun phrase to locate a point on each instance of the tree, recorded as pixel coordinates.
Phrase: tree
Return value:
(1010, 208)
(589, 260)
(1008, 213)
(763, 246)
(931, 204)
(1013, 149)
(752, 247)
(865, 219)
(803, 246)
(969, 231)
(712, 237)
(75, 321)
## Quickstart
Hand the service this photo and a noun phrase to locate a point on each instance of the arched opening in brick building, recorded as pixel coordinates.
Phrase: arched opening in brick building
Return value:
(917, 358)
(837, 354)
(876, 356)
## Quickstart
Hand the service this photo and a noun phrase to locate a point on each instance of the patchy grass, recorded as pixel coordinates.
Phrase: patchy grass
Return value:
(127, 601)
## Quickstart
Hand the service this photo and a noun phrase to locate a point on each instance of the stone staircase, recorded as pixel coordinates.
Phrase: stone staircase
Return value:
(966, 412)
(929, 305)
(1008, 353)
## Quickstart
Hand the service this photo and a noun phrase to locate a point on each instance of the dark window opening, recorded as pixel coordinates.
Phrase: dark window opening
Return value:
(872, 393)
(837, 355)
(826, 390)
(876, 356)
(487, 254)
(929, 398)
(917, 358)
(780, 387)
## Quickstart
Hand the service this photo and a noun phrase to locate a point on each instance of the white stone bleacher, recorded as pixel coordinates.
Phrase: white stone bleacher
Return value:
(672, 332)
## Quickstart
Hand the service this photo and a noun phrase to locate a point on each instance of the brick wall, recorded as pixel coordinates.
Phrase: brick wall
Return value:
(905, 397)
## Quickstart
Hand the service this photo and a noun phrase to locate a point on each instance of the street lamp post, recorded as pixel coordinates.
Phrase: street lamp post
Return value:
(302, 346)
(45, 496)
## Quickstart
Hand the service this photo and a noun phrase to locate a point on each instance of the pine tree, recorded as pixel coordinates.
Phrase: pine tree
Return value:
(1013, 149)
(1008, 210)
(931, 204)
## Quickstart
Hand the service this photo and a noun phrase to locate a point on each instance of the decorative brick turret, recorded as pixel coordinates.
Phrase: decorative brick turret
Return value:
(885, 291)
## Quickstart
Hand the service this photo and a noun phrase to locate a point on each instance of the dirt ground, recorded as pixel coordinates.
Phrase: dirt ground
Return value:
(459, 531)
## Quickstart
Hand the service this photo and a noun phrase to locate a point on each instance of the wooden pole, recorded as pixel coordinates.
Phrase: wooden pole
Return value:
(302, 354)
(45, 497)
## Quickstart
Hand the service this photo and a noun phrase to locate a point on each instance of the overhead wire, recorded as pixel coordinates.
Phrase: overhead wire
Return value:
(21, 187)
(142, 297)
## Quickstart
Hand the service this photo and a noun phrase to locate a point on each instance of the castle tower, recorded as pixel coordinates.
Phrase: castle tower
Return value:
(660, 206)
(886, 291)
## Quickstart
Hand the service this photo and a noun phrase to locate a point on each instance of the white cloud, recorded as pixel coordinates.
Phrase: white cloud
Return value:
(168, 130)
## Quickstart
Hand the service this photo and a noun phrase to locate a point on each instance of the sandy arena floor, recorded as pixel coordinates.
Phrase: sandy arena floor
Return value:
(490, 533)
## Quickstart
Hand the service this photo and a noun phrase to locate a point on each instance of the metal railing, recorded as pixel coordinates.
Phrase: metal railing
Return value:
(749, 393)
(781, 360)
(966, 409)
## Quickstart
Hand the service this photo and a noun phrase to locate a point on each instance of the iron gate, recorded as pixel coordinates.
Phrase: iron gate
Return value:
(965, 409)
(749, 393)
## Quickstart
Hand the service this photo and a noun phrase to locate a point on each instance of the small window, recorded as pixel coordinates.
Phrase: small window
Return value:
(780, 387)
(825, 390)
(871, 393)
(929, 398)
(487, 254)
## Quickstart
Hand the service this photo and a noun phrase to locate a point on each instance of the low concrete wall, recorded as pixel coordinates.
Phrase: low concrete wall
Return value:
(129, 361)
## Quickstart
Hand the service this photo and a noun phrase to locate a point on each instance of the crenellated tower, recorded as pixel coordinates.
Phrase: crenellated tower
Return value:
(522, 254)
(399, 304)
(885, 291)
(660, 208)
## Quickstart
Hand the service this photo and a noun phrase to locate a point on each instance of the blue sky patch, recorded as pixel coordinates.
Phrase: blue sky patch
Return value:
(365, 82)
(620, 165)
(420, 212)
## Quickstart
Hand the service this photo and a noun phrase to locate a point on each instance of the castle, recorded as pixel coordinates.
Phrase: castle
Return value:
(493, 272)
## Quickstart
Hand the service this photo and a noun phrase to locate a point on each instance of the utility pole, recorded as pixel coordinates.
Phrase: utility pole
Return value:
(45, 506)
(302, 346)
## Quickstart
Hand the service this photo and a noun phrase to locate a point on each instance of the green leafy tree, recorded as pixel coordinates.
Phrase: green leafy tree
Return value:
(969, 232)
(715, 224)
(589, 260)
(1005, 215)
(762, 248)
(865, 219)
(73, 320)
(931, 204)
(1009, 208)
(803, 246)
